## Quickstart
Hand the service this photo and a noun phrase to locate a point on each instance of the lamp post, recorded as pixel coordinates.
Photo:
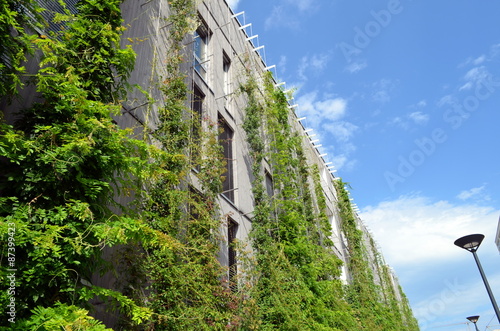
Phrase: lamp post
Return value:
(471, 243)
(474, 319)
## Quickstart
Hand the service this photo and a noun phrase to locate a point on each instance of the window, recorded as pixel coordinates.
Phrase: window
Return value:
(197, 103)
(197, 108)
(269, 185)
(226, 65)
(226, 141)
(200, 50)
(232, 229)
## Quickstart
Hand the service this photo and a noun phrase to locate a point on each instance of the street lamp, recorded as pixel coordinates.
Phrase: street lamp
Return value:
(474, 319)
(471, 243)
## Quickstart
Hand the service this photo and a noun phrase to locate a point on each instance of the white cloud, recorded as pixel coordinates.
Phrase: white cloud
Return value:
(382, 90)
(302, 5)
(411, 229)
(319, 61)
(289, 13)
(416, 235)
(332, 109)
(474, 193)
(281, 18)
(475, 61)
(495, 50)
(479, 60)
(315, 64)
(282, 63)
(398, 121)
(419, 118)
(342, 162)
(448, 100)
(474, 76)
(302, 68)
(325, 116)
(404, 122)
(422, 103)
(466, 86)
(317, 111)
(356, 66)
(342, 130)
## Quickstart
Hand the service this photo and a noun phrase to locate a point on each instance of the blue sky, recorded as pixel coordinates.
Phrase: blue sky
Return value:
(405, 99)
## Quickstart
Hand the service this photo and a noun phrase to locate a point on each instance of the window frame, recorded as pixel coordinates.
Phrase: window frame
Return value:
(226, 138)
(232, 255)
(201, 38)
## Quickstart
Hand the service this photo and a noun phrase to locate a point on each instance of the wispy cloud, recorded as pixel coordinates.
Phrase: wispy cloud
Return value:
(474, 60)
(312, 64)
(422, 103)
(289, 14)
(448, 101)
(342, 159)
(343, 131)
(280, 17)
(320, 110)
(382, 90)
(356, 66)
(411, 229)
(326, 115)
(282, 63)
(409, 120)
(479, 60)
(493, 53)
(475, 193)
(303, 5)
(416, 236)
(419, 105)
(474, 76)
(419, 117)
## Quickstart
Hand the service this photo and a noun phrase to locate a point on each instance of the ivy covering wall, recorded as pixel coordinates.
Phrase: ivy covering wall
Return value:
(298, 284)
(375, 304)
(66, 164)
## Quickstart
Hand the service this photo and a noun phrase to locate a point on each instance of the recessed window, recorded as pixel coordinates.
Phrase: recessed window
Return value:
(197, 108)
(226, 140)
(197, 102)
(201, 37)
(232, 229)
(269, 185)
(226, 66)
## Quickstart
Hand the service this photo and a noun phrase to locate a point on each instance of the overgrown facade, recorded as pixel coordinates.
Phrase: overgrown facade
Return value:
(156, 177)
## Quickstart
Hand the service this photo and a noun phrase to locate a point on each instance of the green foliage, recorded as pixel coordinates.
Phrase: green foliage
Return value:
(189, 287)
(15, 26)
(64, 163)
(376, 305)
(298, 286)
(61, 317)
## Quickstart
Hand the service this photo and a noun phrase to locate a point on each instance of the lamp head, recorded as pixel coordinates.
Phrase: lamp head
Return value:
(470, 242)
(473, 319)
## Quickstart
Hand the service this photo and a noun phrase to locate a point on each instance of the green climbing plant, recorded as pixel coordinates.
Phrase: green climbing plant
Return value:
(189, 286)
(374, 304)
(298, 286)
(64, 163)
